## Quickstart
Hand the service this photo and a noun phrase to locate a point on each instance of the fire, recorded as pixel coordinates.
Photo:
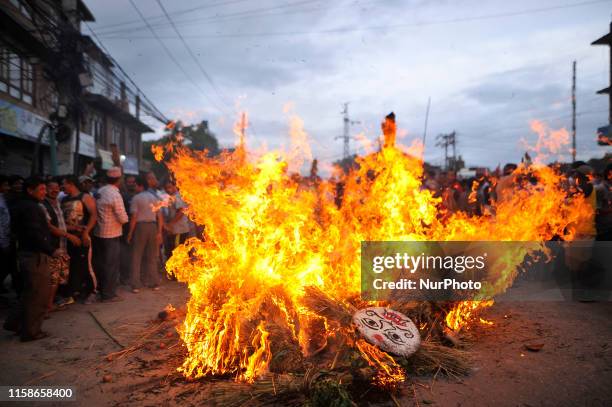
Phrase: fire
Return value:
(270, 233)
(464, 312)
(390, 372)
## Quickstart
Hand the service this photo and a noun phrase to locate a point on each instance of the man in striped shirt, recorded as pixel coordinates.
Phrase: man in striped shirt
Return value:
(111, 217)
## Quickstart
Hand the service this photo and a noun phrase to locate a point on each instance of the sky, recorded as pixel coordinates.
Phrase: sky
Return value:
(489, 68)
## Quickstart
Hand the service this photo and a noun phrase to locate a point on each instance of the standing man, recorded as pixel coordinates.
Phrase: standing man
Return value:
(145, 236)
(579, 251)
(5, 232)
(80, 214)
(130, 185)
(12, 196)
(152, 186)
(86, 184)
(127, 194)
(107, 246)
(505, 185)
(58, 267)
(604, 205)
(176, 224)
(33, 240)
(15, 189)
(152, 182)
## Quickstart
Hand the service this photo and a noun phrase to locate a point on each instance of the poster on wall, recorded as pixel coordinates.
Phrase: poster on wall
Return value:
(106, 158)
(87, 145)
(130, 165)
(18, 122)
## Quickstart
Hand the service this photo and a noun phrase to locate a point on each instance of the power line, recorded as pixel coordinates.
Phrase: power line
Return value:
(174, 59)
(158, 114)
(390, 26)
(185, 11)
(196, 60)
(257, 12)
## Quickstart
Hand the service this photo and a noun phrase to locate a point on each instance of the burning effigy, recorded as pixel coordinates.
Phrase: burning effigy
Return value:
(275, 283)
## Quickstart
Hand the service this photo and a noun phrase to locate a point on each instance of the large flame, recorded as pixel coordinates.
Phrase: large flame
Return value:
(270, 233)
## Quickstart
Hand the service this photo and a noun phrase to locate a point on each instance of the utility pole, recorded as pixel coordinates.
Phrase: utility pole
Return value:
(446, 140)
(425, 129)
(453, 142)
(442, 141)
(243, 126)
(346, 137)
(574, 112)
(345, 133)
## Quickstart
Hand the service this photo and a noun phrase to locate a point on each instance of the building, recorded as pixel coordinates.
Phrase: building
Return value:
(56, 81)
(110, 119)
(604, 135)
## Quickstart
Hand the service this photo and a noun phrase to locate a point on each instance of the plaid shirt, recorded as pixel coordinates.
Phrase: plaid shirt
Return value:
(111, 212)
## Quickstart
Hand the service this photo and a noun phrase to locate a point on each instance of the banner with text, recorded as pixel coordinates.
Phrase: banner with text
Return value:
(454, 271)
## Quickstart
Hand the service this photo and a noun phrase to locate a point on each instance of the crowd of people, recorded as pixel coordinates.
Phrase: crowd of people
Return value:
(581, 268)
(67, 239)
(476, 195)
(75, 239)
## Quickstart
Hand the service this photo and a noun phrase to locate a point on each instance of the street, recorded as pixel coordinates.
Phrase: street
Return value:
(573, 367)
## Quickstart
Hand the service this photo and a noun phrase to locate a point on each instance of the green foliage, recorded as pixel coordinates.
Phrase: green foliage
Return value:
(201, 138)
(197, 137)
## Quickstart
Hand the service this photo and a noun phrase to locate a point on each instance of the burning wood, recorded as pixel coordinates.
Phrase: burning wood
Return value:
(275, 282)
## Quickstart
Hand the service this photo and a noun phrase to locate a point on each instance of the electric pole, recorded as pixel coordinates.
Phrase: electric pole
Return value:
(574, 112)
(345, 133)
(425, 129)
(453, 142)
(442, 141)
(445, 141)
(347, 122)
(243, 126)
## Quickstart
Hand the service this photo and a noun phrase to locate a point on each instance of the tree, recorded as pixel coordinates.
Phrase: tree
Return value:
(158, 167)
(197, 137)
(200, 138)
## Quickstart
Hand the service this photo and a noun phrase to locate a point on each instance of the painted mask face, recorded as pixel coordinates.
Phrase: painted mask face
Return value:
(390, 330)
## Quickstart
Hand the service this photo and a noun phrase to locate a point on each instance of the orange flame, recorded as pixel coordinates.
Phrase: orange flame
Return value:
(389, 372)
(269, 234)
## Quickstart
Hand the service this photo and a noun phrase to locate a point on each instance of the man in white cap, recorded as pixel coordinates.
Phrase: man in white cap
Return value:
(86, 184)
(111, 217)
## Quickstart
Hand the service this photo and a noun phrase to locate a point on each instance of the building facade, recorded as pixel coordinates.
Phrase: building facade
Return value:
(51, 73)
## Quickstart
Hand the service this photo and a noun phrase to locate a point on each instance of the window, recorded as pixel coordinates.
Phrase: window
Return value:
(27, 82)
(97, 129)
(16, 76)
(129, 148)
(135, 143)
(4, 68)
(86, 122)
(122, 145)
(116, 135)
(132, 143)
